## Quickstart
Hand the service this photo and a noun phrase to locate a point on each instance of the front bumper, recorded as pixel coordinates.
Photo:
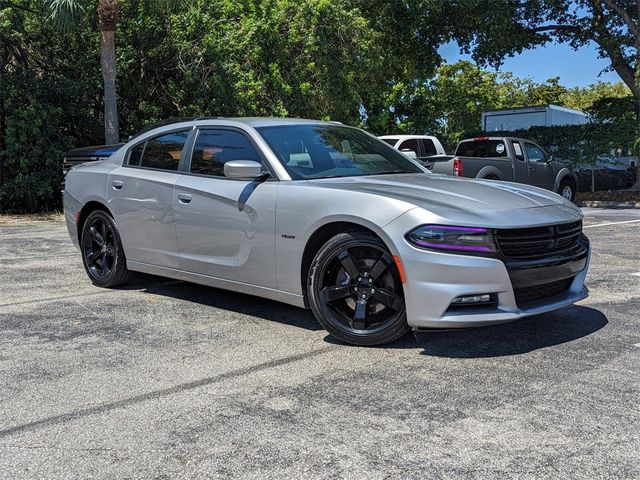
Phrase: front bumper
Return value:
(435, 279)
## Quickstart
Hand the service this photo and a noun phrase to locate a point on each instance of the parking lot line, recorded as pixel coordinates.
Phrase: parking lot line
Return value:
(610, 223)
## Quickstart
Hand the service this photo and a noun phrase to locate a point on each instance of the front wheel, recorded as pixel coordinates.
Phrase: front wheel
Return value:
(102, 252)
(355, 290)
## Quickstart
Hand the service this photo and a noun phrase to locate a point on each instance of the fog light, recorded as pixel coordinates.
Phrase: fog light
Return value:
(469, 299)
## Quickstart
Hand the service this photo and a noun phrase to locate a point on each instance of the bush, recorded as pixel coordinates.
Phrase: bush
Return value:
(33, 147)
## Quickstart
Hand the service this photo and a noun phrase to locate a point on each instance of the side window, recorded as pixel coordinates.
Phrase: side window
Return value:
(429, 147)
(534, 154)
(136, 154)
(215, 147)
(162, 153)
(517, 149)
(411, 144)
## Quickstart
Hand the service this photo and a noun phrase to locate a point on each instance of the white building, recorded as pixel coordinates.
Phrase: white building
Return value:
(510, 119)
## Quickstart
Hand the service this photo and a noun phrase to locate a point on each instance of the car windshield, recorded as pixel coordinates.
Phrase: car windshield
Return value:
(327, 151)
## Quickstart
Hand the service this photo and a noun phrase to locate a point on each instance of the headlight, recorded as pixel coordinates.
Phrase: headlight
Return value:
(445, 237)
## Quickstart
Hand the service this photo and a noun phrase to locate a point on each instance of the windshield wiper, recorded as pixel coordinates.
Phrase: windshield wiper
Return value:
(390, 172)
(328, 176)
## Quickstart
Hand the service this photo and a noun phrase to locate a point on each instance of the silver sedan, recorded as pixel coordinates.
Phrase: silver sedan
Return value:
(327, 217)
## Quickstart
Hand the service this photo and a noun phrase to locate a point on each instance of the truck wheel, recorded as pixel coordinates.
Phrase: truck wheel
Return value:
(567, 189)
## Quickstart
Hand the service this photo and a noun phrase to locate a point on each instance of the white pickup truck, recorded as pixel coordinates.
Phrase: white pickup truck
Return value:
(424, 146)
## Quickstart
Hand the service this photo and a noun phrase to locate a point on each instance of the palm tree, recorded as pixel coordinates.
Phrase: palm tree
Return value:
(64, 12)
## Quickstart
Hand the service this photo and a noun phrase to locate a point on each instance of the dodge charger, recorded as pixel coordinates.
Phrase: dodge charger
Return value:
(325, 216)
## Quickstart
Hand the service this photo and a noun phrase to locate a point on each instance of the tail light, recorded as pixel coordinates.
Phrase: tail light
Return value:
(457, 167)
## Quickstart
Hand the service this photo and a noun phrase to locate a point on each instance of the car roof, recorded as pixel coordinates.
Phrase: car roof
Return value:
(251, 121)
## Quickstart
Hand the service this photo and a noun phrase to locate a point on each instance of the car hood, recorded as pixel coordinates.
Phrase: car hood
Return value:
(461, 199)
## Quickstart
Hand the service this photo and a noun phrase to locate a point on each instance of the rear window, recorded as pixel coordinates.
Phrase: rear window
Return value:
(161, 153)
(482, 149)
(390, 141)
(429, 147)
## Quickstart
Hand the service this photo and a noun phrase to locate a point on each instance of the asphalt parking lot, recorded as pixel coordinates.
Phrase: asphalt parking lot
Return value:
(167, 379)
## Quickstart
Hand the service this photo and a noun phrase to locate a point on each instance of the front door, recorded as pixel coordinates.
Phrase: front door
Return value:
(520, 165)
(225, 227)
(540, 169)
(141, 196)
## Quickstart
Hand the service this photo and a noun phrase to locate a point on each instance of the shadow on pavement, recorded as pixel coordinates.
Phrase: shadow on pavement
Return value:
(521, 336)
(513, 338)
(228, 300)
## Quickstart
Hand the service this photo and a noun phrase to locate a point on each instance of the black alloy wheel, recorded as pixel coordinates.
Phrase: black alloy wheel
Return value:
(355, 290)
(99, 248)
(102, 252)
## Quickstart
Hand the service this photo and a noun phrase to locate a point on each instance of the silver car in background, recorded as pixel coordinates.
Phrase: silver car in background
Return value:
(327, 217)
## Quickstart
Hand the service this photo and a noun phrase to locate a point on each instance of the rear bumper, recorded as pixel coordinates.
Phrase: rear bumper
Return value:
(435, 279)
(72, 207)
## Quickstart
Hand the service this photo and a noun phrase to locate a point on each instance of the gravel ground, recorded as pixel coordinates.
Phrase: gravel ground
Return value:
(166, 379)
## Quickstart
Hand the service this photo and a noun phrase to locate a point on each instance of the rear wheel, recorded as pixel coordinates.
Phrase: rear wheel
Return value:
(567, 189)
(355, 290)
(102, 253)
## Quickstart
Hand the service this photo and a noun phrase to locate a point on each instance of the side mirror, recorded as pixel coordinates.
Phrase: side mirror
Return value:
(409, 153)
(242, 169)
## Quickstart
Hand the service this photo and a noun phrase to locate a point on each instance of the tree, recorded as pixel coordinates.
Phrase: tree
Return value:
(49, 102)
(450, 104)
(492, 30)
(301, 58)
(64, 12)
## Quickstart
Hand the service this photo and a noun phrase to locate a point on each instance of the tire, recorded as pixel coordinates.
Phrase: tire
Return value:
(567, 189)
(102, 252)
(355, 290)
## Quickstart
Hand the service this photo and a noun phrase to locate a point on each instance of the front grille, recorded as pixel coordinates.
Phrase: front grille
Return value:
(538, 242)
(541, 292)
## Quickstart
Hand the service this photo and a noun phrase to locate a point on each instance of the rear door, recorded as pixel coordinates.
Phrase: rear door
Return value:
(428, 147)
(225, 227)
(540, 169)
(427, 151)
(141, 198)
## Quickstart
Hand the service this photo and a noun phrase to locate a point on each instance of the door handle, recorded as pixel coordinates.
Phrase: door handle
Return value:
(117, 184)
(184, 198)
(532, 169)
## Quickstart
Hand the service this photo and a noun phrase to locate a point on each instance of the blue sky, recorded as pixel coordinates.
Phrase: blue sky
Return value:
(575, 68)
